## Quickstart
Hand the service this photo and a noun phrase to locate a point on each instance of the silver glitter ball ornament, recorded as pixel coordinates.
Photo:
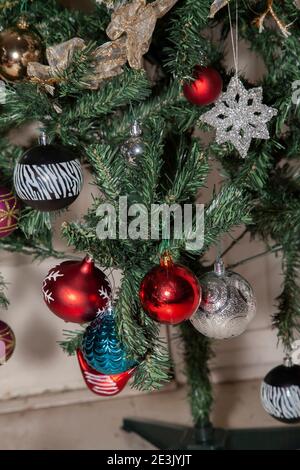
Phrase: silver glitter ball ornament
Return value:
(134, 146)
(228, 304)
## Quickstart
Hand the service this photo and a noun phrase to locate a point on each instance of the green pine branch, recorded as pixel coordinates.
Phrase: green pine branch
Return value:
(128, 87)
(287, 319)
(72, 341)
(197, 352)
(155, 371)
(4, 302)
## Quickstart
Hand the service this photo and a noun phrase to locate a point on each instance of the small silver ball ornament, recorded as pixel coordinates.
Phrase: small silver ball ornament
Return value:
(134, 146)
(228, 304)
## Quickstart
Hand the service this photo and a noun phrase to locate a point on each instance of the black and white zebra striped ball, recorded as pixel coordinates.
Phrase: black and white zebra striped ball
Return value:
(280, 393)
(48, 177)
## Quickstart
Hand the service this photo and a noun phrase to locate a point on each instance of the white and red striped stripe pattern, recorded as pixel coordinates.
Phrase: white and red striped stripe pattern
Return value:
(101, 384)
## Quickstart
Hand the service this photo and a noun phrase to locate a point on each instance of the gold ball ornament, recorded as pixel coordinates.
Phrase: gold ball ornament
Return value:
(19, 45)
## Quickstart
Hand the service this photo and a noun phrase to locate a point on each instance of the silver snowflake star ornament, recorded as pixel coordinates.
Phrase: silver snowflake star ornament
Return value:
(240, 116)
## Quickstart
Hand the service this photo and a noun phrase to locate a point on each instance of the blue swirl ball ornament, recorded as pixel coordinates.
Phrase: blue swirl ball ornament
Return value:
(102, 349)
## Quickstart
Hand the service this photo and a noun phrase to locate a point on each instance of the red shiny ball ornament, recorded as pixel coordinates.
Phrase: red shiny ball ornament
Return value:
(206, 87)
(170, 293)
(76, 291)
(102, 384)
(7, 342)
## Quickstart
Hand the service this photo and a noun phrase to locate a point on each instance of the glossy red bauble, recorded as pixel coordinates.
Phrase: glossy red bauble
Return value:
(7, 342)
(76, 291)
(170, 293)
(101, 384)
(205, 88)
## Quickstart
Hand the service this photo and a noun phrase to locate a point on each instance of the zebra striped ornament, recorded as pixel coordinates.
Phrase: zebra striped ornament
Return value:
(280, 393)
(48, 177)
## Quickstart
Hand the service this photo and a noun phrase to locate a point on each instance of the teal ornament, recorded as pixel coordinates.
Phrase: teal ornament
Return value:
(101, 346)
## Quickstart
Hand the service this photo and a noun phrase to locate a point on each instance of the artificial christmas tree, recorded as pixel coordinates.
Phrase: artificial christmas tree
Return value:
(94, 85)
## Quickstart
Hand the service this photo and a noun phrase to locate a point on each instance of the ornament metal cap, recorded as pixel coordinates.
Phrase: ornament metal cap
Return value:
(166, 260)
(287, 361)
(109, 309)
(43, 140)
(219, 267)
(22, 22)
(136, 130)
(295, 352)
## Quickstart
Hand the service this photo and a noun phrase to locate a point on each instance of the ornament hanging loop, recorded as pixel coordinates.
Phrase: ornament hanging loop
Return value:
(235, 42)
(219, 266)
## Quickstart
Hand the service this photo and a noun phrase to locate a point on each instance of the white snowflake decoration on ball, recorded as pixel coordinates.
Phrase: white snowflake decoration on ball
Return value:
(52, 276)
(240, 116)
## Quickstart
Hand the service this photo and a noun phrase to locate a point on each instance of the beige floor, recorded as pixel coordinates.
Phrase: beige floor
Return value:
(97, 425)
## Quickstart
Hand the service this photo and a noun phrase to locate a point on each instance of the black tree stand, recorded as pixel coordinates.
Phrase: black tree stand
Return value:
(167, 436)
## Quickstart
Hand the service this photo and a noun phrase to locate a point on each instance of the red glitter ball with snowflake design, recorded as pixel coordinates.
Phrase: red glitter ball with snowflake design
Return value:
(76, 291)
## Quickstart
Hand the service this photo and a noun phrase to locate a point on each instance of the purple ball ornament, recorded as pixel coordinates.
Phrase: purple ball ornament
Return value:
(9, 212)
(7, 342)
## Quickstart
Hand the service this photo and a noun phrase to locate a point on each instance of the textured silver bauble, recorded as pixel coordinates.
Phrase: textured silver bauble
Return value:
(134, 146)
(228, 304)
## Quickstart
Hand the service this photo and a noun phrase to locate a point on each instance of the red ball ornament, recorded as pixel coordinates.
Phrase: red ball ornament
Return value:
(76, 291)
(7, 342)
(170, 293)
(101, 384)
(206, 87)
